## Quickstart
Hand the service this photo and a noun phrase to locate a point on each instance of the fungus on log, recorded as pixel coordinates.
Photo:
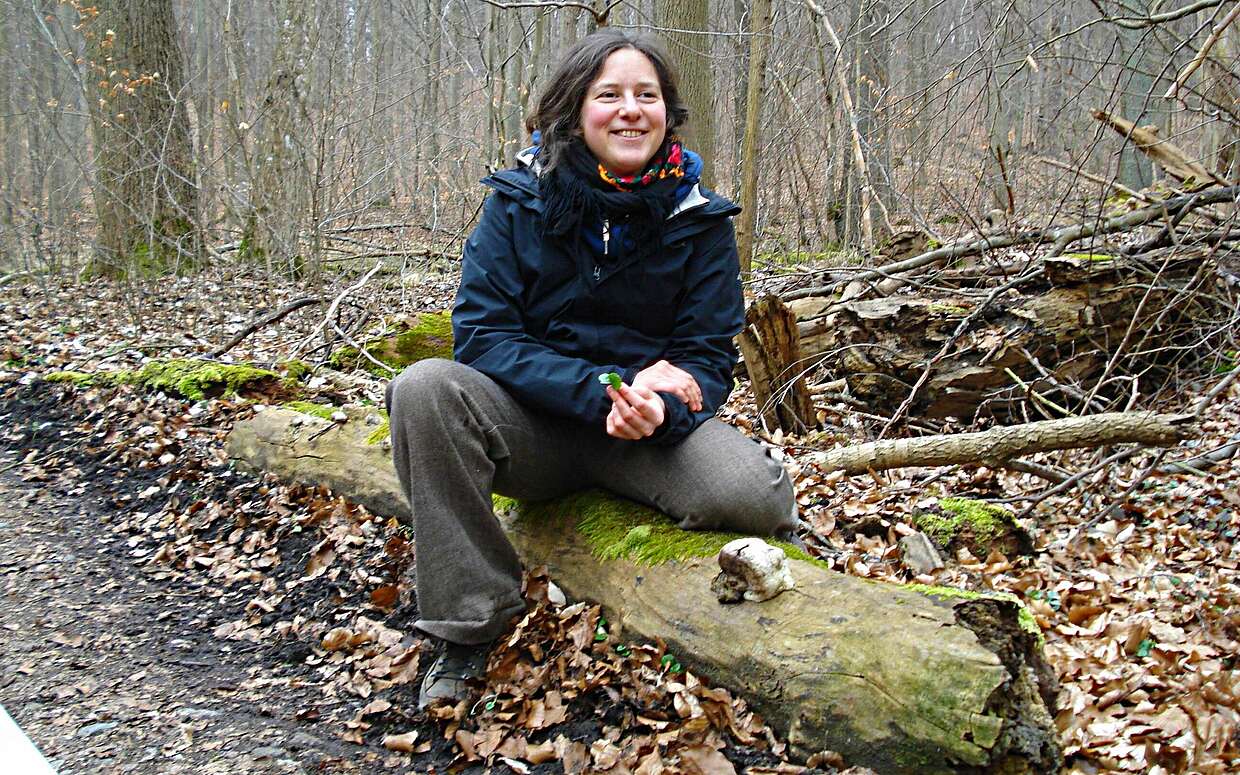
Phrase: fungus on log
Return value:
(899, 679)
(752, 570)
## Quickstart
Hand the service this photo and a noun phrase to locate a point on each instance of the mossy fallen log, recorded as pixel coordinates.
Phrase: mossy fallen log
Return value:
(184, 377)
(900, 679)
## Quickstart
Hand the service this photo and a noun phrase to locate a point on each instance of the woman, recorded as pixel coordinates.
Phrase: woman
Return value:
(599, 252)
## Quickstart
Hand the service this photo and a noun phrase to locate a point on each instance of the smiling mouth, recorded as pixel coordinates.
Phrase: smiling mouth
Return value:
(629, 133)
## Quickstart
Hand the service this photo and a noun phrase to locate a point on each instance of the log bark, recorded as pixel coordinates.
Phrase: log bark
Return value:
(998, 445)
(899, 679)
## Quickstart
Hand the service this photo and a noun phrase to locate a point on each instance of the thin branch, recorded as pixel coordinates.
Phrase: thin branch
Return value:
(1141, 22)
(599, 16)
(1199, 60)
(266, 320)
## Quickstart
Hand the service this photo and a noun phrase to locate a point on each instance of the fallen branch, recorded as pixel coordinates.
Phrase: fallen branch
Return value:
(331, 311)
(1049, 473)
(1164, 153)
(8, 278)
(1204, 461)
(266, 320)
(998, 445)
(1064, 235)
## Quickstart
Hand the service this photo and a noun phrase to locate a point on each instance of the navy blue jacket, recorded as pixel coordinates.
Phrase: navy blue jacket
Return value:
(544, 323)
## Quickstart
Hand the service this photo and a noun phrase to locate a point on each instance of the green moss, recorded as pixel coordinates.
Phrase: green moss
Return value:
(831, 257)
(295, 369)
(944, 220)
(616, 528)
(1023, 615)
(322, 411)
(381, 431)
(183, 377)
(430, 337)
(984, 521)
(1090, 256)
(195, 379)
(947, 309)
(75, 378)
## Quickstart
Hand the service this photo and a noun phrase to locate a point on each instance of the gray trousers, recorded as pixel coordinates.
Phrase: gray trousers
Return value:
(457, 437)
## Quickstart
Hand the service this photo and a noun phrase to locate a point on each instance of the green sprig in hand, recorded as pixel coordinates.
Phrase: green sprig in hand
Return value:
(611, 378)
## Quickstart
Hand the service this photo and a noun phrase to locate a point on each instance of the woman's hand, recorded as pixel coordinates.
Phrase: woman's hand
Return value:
(663, 377)
(635, 412)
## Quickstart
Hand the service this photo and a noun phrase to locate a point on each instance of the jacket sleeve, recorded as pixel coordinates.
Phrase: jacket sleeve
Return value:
(489, 332)
(710, 316)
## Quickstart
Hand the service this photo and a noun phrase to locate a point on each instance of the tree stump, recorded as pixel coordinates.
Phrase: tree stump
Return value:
(771, 346)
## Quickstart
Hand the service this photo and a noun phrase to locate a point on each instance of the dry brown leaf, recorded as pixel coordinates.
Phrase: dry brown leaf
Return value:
(385, 596)
(336, 639)
(72, 641)
(320, 560)
(702, 760)
(541, 753)
(403, 743)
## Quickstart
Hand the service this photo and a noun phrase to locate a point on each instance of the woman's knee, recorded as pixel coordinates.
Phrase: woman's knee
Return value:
(758, 501)
(423, 382)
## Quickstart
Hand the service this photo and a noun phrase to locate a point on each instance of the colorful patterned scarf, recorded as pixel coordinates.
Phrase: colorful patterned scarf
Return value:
(579, 194)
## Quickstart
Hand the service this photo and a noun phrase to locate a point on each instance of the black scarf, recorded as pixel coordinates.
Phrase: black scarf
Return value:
(578, 196)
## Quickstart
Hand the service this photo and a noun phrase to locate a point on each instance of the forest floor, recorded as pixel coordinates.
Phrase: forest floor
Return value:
(164, 613)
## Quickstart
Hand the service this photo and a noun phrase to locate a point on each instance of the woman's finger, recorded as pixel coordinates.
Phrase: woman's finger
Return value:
(620, 427)
(640, 400)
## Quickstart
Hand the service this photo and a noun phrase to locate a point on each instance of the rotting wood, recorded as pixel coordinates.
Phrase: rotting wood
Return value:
(1017, 348)
(899, 679)
(998, 445)
(771, 347)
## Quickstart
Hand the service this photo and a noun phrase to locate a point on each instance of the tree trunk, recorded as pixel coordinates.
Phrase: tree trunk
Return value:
(145, 200)
(280, 190)
(759, 31)
(686, 26)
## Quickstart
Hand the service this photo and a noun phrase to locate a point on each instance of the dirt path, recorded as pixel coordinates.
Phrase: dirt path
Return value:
(111, 671)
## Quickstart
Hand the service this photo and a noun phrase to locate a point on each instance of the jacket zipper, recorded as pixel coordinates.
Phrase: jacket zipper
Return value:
(606, 240)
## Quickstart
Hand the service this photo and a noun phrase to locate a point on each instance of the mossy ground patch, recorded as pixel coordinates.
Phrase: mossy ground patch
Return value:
(975, 524)
(430, 336)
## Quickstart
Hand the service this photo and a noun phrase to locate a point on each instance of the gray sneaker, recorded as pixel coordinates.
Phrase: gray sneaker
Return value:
(449, 675)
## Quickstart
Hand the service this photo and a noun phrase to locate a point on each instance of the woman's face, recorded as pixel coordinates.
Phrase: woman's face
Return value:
(623, 118)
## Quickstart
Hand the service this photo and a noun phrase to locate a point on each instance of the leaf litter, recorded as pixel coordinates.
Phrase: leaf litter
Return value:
(1138, 607)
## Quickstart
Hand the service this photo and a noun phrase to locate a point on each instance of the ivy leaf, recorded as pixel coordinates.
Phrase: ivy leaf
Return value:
(611, 378)
(1145, 647)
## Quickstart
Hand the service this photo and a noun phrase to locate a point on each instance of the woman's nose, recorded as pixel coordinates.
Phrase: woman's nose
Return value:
(628, 105)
